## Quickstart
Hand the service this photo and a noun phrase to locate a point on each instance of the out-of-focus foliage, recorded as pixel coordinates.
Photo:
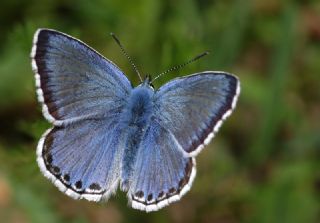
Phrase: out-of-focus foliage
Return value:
(264, 164)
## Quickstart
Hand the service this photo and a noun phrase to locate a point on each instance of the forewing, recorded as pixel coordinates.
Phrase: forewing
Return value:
(74, 81)
(83, 158)
(162, 174)
(193, 108)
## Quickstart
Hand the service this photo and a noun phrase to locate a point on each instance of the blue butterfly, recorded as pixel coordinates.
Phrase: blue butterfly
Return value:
(108, 133)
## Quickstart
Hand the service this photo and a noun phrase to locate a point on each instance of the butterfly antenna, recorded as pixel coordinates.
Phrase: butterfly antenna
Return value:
(125, 53)
(181, 65)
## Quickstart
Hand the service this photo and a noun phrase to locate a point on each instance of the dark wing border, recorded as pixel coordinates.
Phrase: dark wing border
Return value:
(217, 121)
(59, 181)
(36, 69)
(164, 199)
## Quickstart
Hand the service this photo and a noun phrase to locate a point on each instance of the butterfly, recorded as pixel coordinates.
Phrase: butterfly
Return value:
(107, 133)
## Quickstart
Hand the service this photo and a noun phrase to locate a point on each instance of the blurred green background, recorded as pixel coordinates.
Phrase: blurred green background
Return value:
(263, 166)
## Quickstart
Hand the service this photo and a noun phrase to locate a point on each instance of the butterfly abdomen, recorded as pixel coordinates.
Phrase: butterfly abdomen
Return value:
(135, 120)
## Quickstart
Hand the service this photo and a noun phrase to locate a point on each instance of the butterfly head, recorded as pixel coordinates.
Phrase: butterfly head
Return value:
(147, 81)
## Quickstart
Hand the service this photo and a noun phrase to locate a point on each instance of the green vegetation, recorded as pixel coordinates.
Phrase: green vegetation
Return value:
(264, 164)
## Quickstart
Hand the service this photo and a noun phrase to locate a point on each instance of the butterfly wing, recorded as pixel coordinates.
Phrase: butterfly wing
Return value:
(82, 94)
(82, 159)
(162, 174)
(73, 81)
(193, 108)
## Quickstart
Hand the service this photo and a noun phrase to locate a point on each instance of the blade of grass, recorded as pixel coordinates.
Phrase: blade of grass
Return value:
(264, 144)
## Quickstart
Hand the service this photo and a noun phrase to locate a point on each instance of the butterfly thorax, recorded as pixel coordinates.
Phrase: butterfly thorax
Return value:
(139, 107)
(135, 121)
